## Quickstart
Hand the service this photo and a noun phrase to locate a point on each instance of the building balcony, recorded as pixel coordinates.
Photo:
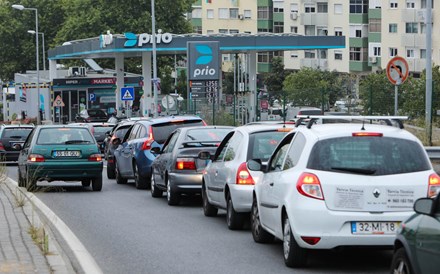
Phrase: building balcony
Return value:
(317, 19)
(321, 64)
(414, 15)
(413, 40)
(416, 64)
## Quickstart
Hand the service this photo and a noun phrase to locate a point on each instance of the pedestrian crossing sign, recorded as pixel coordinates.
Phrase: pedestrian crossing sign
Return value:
(127, 94)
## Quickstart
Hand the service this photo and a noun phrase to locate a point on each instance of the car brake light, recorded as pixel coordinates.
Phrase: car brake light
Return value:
(434, 185)
(35, 158)
(95, 158)
(185, 164)
(243, 176)
(311, 240)
(308, 185)
(1, 146)
(367, 134)
(147, 144)
(204, 123)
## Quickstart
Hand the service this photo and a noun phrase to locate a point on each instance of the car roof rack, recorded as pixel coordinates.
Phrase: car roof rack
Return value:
(311, 119)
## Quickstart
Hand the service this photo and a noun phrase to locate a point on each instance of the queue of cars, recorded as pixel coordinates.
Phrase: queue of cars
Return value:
(310, 185)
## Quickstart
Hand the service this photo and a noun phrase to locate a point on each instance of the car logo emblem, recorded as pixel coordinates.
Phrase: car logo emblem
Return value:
(376, 193)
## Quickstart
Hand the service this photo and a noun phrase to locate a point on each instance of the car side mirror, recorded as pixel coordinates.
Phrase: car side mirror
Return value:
(424, 206)
(255, 165)
(204, 155)
(116, 142)
(155, 150)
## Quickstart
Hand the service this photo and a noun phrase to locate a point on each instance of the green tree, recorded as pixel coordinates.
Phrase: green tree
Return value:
(305, 87)
(377, 94)
(275, 78)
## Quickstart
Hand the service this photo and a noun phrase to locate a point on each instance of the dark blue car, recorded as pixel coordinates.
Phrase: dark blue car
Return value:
(133, 157)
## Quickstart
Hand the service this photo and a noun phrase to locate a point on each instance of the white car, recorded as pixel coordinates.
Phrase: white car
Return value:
(334, 185)
(227, 183)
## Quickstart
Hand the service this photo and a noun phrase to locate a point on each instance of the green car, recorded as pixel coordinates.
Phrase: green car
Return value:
(60, 153)
(417, 246)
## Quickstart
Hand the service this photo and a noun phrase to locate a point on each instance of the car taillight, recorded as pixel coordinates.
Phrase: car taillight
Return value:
(95, 158)
(204, 123)
(1, 146)
(367, 134)
(35, 158)
(147, 144)
(311, 240)
(185, 163)
(308, 185)
(433, 185)
(243, 176)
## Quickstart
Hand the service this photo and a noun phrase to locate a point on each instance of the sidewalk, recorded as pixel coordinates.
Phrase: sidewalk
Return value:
(18, 251)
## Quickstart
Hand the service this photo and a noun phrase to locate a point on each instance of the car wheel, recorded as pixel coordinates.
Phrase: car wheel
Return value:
(294, 255)
(172, 196)
(208, 209)
(234, 219)
(400, 263)
(85, 182)
(155, 192)
(97, 183)
(119, 179)
(140, 182)
(110, 172)
(258, 233)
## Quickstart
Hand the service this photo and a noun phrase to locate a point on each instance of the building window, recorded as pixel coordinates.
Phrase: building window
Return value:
(247, 14)
(309, 54)
(338, 31)
(210, 31)
(278, 6)
(355, 54)
(224, 31)
(411, 28)
(393, 52)
(393, 4)
(197, 13)
(233, 13)
(265, 57)
(198, 29)
(376, 51)
(322, 31)
(294, 29)
(309, 30)
(233, 31)
(322, 53)
(410, 4)
(263, 13)
(223, 13)
(375, 25)
(294, 54)
(392, 28)
(338, 8)
(422, 28)
(423, 54)
(264, 30)
(210, 14)
(309, 8)
(358, 31)
(322, 7)
(358, 6)
(410, 53)
(338, 55)
(294, 7)
(423, 4)
(278, 27)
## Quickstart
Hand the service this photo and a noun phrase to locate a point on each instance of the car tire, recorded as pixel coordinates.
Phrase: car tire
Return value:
(400, 262)
(119, 179)
(173, 197)
(85, 182)
(140, 181)
(294, 255)
(234, 219)
(259, 234)
(155, 192)
(97, 183)
(208, 209)
(110, 172)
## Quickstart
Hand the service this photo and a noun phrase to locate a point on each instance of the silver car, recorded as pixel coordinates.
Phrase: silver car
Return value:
(227, 183)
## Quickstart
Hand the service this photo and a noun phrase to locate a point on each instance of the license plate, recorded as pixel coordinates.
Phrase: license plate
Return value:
(67, 153)
(374, 227)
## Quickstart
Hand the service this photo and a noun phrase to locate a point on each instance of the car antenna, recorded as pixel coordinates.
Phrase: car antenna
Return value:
(363, 124)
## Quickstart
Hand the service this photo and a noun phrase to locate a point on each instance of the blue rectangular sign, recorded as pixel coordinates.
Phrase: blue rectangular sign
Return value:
(127, 94)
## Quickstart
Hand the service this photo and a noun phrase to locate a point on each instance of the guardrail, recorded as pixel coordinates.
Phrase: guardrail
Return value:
(433, 152)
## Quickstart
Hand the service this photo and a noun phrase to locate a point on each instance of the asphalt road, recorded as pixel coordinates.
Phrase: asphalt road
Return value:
(128, 231)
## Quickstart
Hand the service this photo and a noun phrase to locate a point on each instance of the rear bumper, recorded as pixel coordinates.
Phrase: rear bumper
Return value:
(241, 196)
(72, 171)
(188, 183)
(8, 156)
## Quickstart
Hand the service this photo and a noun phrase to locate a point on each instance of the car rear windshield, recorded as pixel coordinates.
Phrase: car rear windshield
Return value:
(368, 155)
(74, 135)
(96, 113)
(102, 129)
(206, 134)
(16, 133)
(120, 132)
(163, 130)
(262, 144)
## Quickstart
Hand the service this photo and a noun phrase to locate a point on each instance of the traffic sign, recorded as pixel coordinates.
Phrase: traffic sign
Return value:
(127, 94)
(58, 102)
(92, 97)
(168, 102)
(397, 70)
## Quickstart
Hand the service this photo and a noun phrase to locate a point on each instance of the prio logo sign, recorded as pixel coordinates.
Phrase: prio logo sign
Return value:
(145, 38)
(205, 57)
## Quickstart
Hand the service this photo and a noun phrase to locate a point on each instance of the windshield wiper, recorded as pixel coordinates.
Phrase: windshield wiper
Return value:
(76, 142)
(365, 171)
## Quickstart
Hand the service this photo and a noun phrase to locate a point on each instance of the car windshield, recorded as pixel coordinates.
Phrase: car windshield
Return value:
(262, 144)
(18, 133)
(64, 135)
(368, 156)
(163, 130)
(120, 132)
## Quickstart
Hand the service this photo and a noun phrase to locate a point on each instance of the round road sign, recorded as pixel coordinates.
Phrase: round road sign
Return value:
(397, 70)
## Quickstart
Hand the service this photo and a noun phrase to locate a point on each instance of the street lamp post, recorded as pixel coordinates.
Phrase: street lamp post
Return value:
(44, 48)
(21, 7)
(153, 36)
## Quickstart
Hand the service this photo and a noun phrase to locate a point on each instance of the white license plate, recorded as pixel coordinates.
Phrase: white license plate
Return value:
(67, 153)
(374, 227)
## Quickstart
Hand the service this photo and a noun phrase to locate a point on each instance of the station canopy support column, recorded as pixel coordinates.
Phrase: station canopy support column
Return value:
(252, 61)
(119, 67)
(147, 98)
